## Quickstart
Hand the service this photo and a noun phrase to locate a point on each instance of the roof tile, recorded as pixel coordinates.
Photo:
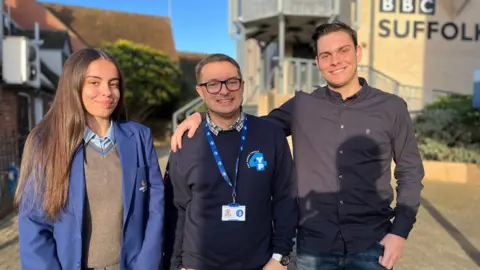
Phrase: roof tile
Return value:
(97, 26)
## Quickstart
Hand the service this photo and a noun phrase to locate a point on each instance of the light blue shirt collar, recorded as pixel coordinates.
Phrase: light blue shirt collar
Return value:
(102, 143)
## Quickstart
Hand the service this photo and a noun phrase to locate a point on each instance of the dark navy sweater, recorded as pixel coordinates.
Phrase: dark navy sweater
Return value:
(196, 237)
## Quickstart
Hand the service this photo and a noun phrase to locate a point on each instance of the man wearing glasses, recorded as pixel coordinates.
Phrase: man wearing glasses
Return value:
(231, 190)
(345, 136)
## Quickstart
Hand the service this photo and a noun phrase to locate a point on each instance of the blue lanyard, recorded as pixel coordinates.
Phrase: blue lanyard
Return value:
(218, 160)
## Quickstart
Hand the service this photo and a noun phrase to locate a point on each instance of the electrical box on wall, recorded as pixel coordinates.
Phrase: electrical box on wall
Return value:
(21, 61)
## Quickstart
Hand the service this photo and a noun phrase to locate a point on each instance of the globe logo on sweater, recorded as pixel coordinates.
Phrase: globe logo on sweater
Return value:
(256, 160)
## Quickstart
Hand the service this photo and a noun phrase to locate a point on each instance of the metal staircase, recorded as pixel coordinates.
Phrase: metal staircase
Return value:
(273, 24)
(276, 24)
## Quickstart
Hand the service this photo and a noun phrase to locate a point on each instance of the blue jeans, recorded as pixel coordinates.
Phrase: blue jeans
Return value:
(366, 260)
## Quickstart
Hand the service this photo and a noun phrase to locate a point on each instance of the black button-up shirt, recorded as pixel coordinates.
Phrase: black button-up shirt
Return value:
(343, 152)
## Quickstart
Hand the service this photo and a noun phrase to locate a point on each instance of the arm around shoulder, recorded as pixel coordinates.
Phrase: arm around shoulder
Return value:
(191, 124)
(283, 116)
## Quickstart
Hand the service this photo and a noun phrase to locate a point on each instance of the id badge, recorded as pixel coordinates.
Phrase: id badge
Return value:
(233, 212)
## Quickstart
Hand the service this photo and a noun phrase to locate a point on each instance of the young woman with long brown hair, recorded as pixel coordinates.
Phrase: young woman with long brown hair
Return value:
(90, 194)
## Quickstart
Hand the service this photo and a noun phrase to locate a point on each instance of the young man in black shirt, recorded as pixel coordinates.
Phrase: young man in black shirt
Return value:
(345, 136)
(231, 191)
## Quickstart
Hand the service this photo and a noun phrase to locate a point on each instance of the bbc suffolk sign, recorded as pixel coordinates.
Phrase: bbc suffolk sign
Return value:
(447, 30)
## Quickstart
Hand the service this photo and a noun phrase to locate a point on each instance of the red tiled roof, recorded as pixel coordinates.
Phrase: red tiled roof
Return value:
(96, 26)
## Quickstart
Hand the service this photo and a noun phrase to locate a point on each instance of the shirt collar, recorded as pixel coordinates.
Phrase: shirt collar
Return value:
(238, 125)
(358, 96)
(89, 134)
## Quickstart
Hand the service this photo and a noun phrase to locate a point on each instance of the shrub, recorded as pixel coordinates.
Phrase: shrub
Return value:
(449, 130)
(151, 77)
(434, 150)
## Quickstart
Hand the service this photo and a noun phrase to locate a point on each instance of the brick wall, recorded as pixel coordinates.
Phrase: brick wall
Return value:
(8, 110)
(9, 139)
(8, 143)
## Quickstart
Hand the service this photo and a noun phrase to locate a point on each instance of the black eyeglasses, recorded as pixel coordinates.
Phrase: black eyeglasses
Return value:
(213, 87)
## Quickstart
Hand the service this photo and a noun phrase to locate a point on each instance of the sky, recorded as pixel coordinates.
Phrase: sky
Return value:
(198, 25)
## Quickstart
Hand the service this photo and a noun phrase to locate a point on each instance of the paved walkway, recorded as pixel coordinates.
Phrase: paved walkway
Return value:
(9, 256)
(446, 235)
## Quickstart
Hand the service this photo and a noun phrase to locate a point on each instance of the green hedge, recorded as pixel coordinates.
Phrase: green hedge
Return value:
(434, 150)
(449, 130)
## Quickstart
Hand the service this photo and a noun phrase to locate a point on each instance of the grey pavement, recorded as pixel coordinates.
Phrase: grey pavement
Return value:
(9, 256)
(163, 153)
(447, 233)
(445, 237)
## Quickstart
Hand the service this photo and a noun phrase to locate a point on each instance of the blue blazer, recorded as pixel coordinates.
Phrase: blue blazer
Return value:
(58, 245)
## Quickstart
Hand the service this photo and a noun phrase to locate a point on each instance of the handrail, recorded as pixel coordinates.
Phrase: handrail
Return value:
(302, 74)
(183, 109)
(192, 110)
(380, 73)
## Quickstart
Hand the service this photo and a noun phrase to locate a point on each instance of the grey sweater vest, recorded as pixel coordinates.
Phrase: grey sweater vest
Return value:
(103, 217)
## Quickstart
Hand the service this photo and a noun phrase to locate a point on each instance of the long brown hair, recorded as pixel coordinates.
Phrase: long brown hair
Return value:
(51, 145)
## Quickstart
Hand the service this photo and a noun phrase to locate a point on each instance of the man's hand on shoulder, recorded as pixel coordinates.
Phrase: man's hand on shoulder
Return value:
(274, 265)
(191, 124)
(394, 246)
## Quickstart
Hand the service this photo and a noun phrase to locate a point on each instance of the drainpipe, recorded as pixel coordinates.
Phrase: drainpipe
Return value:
(241, 54)
(2, 20)
(371, 73)
(281, 48)
(240, 46)
(233, 18)
(358, 15)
